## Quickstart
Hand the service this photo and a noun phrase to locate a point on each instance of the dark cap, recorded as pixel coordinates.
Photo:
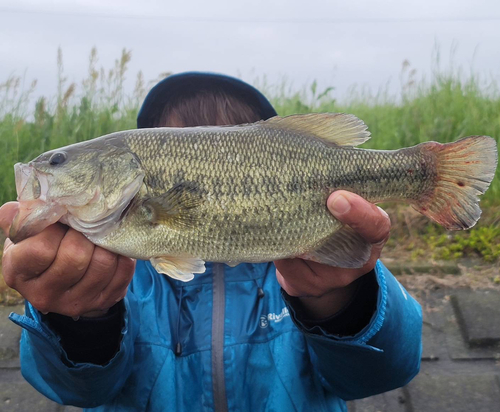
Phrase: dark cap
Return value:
(160, 94)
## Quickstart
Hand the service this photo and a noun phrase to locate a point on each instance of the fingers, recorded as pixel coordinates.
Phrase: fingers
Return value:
(295, 271)
(59, 270)
(368, 220)
(312, 279)
(101, 286)
(7, 213)
(98, 276)
(305, 278)
(105, 283)
(117, 288)
(74, 255)
(31, 257)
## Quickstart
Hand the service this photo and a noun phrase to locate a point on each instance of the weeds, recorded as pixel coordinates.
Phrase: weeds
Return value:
(414, 237)
(482, 241)
(78, 112)
(447, 106)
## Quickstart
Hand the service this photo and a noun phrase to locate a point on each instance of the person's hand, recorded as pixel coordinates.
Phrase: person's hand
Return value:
(61, 271)
(322, 289)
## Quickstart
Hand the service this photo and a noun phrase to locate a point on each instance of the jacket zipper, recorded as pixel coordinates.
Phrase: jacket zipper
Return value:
(218, 317)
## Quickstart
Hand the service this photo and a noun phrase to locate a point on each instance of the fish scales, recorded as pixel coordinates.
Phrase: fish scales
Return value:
(248, 188)
(249, 193)
(262, 190)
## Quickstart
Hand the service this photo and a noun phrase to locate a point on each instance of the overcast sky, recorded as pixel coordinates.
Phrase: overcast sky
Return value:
(338, 43)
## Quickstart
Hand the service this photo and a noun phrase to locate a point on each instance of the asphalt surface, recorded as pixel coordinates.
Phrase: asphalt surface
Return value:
(460, 368)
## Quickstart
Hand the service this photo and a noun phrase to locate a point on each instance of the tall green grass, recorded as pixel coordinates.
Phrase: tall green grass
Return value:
(445, 107)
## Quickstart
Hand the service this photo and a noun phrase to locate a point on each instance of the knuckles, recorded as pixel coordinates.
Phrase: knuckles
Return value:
(74, 311)
(76, 254)
(103, 302)
(382, 229)
(103, 260)
(40, 255)
(33, 256)
(368, 220)
(43, 303)
(9, 277)
(21, 264)
(126, 266)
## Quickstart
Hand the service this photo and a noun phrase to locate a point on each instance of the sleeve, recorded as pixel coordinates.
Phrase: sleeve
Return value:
(89, 340)
(47, 367)
(349, 320)
(383, 355)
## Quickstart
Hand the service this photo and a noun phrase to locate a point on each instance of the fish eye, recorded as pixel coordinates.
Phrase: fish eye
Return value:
(57, 158)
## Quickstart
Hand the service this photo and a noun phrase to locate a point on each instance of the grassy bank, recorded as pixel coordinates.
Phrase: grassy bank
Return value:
(444, 107)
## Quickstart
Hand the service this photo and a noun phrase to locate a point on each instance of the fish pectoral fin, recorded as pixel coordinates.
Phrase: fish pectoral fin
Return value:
(334, 128)
(176, 207)
(345, 249)
(179, 268)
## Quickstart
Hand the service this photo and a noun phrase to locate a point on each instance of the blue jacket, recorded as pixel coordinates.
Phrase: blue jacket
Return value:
(252, 353)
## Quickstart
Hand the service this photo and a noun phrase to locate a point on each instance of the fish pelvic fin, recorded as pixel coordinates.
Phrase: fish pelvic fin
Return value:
(345, 249)
(339, 129)
(179, 268)
(465, 169)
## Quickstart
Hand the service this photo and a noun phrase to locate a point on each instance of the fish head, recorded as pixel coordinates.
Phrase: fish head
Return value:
(86, 186)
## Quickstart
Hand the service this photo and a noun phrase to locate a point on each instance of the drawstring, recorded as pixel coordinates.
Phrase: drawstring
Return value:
(178, 346)
(260, 291)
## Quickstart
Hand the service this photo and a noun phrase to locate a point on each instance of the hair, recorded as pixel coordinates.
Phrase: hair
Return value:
(207, 107)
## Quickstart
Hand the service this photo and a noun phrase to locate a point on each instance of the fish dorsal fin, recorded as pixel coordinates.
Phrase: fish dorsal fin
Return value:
(176, 207)
(178, 268)
(338, 128)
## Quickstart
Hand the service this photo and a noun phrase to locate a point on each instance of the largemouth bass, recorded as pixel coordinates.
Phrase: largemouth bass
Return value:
(248, 193)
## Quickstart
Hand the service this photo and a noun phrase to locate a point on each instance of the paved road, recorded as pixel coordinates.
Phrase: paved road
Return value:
(460, 362)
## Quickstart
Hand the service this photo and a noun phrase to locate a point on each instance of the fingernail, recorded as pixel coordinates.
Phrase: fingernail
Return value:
(340, 205)
(383, 212)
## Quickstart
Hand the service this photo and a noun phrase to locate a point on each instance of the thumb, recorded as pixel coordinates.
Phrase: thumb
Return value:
(7, 213)
(371, 222)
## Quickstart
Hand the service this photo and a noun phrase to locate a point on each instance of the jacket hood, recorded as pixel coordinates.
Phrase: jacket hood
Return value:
(160, 94)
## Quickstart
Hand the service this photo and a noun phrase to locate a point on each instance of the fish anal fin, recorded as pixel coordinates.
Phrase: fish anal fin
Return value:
(178, 268)
(345, 249)
(232, 263)
(176, 208)
(335, 128)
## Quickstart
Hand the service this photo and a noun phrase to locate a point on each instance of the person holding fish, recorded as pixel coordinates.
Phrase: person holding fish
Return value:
(313, 320)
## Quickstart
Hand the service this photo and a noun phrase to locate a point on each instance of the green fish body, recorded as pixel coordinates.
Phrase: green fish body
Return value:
(249, 193)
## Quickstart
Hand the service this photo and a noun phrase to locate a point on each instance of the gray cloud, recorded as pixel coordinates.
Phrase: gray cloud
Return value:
(336, 43)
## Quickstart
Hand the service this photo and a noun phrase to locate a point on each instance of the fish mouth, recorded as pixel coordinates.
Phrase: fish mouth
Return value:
(30, 184)
(38, 210)
(35, 213)
(22, 173)
(33, 217)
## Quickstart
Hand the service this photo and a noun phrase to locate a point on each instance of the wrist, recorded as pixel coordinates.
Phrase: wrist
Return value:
(350, 320)
(95, 314)
(330, 303)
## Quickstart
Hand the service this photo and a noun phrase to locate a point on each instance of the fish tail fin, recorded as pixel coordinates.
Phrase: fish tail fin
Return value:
(465, 169)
